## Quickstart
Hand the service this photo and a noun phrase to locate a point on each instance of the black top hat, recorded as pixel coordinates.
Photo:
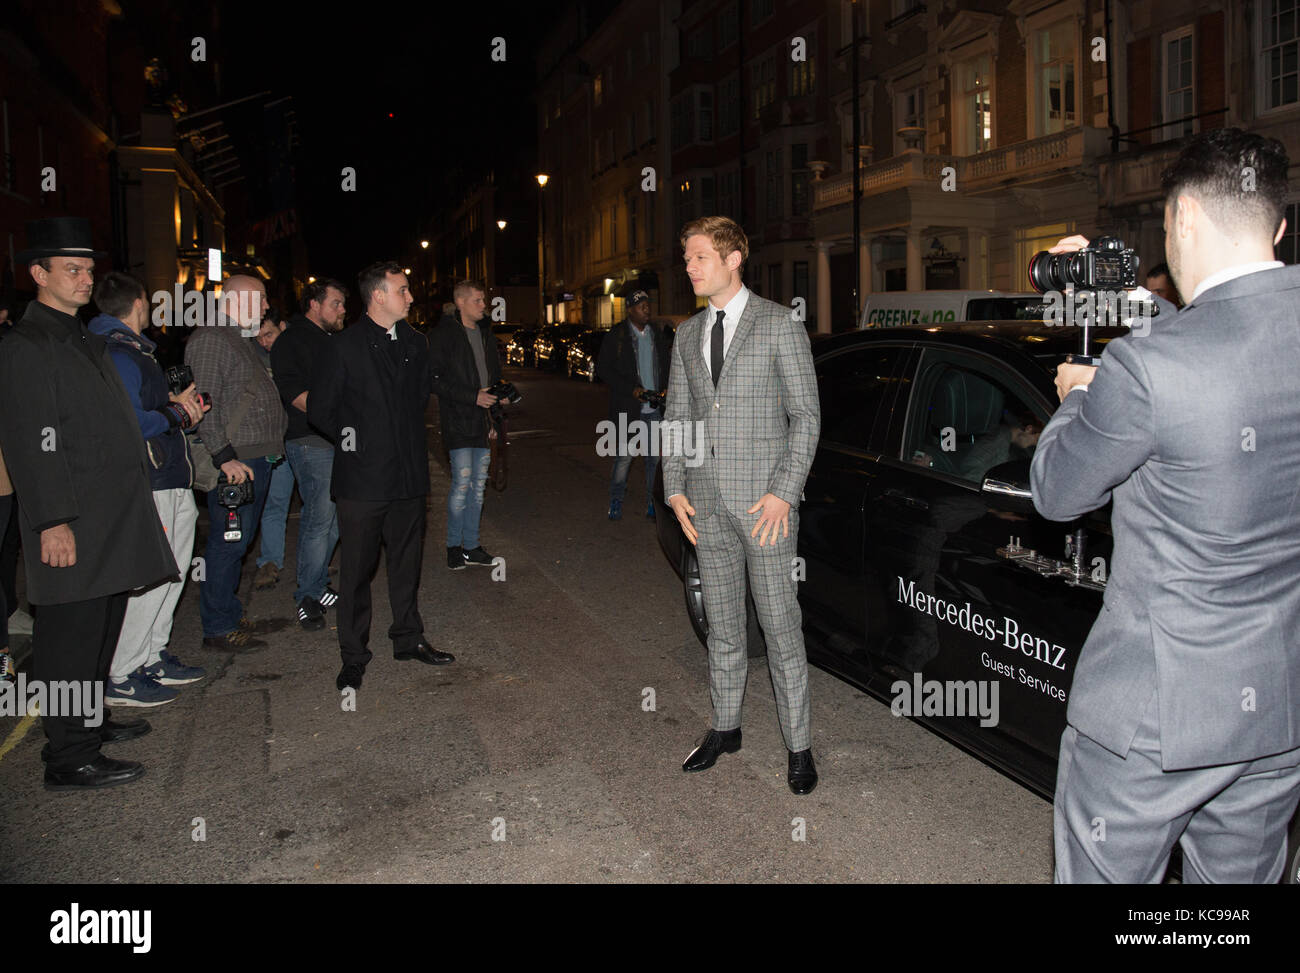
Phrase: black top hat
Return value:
(58, 236)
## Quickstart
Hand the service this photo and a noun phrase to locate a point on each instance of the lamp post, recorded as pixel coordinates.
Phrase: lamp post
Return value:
(541, 251)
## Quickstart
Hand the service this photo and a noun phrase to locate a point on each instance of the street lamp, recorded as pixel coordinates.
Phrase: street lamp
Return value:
(501, 224)
(424, 244)
(541, 251)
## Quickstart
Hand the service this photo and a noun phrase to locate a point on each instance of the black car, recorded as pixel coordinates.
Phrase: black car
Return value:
(551, 348)
(584, 350)
(519, 349)
(922, 558)
(503, 332)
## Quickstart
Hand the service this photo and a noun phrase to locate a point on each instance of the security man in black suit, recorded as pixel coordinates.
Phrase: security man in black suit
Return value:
(369, 398)
(81, 474)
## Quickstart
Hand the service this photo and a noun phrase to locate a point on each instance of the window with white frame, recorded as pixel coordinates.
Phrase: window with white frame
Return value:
(973, 105)
(1054, 91)
(909, 110)
(1178, 86)
(1279, 63)
(800, 180)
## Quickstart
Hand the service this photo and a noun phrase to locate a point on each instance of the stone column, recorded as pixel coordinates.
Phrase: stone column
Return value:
(823, 287)
(915, 268)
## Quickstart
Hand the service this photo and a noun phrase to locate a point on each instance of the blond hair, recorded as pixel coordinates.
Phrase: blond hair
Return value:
(723, 232)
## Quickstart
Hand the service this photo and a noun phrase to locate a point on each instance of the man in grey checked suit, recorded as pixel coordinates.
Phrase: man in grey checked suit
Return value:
(742, 373)
(1184, 715)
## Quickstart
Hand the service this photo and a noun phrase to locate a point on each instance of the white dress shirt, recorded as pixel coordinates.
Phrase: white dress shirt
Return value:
(1231, 273)
(731, 317)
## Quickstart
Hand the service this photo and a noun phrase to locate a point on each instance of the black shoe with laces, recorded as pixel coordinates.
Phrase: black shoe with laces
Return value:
(329, 597)
(349, 677)
(479, 557)
(456, 558)
(310, 615)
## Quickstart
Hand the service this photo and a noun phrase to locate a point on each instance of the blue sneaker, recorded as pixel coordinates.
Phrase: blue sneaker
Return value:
(138, 689)
(616, 510)
(170, 671)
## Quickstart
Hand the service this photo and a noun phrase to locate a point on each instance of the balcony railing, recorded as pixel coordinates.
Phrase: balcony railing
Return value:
(1020, 162)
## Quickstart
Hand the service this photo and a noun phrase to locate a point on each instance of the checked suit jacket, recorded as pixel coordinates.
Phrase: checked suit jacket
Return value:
(759, 426)
(1193, 429)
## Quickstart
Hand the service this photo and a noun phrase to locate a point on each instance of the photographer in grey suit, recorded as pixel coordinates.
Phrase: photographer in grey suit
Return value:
(1183, 712)
(742, 372)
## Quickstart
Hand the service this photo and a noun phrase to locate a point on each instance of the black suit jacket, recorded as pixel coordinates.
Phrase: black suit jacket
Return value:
(369, 399)
(616, 366)
(75, 455)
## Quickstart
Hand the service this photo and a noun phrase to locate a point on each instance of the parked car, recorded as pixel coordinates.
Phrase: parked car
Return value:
(922, 555)
(519, 349)
(550, 349)
(584, 349)
(503, 332)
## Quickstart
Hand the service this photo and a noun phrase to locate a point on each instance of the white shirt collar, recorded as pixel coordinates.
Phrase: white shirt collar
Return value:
(732, 309)
(1232, 273)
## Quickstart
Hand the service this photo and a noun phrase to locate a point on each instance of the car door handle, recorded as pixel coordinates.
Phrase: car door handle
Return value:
(906, 499)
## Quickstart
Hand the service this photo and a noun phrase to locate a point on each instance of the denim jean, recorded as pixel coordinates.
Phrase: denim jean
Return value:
(622, 464)
(275, 516)
(318, 530)
(469, 472)
(219, 607)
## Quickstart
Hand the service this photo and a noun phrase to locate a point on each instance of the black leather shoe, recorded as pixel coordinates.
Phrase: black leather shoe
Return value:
(114, 731)
(349, 675)
(425, 653)
(803, 772)
(707, 751)
(100, 772)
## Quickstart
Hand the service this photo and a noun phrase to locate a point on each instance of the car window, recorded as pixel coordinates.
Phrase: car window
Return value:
(853, 385)
(968, 418)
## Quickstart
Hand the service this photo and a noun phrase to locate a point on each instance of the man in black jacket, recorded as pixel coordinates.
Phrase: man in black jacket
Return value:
(294, 360)
(465, 365)
(369, 397)
(79, 467)
(634, 362)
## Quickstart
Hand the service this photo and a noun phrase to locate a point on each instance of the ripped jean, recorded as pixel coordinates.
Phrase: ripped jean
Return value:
(469, 472)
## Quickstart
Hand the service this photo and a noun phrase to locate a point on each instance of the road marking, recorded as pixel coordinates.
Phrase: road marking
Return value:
(18, 733)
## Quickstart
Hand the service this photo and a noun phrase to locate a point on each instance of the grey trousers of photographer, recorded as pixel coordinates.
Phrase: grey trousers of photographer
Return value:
(147, 625)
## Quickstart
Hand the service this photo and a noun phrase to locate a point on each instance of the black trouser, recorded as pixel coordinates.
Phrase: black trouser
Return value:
(8, 560)
(362, 525)
(74, 642)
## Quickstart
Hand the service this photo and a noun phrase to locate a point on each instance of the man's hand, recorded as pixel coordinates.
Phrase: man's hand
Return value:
(485, 400)
(684, 511)
(189, 401)
(1068, 375)
(236, 472)
(58, 546)
(1069, 244)
(775, 512)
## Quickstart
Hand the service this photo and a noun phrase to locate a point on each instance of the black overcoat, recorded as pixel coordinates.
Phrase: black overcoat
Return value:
(76, 456)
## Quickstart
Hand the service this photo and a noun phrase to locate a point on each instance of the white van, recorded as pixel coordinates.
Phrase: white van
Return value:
(893, 309)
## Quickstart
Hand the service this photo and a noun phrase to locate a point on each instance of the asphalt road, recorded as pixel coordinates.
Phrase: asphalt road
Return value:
(532, 758)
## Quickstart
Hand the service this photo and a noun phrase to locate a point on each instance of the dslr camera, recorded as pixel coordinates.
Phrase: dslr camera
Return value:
(655, 399)
(181, 377)
(506, 392)
(1107, 265)
(232, 496)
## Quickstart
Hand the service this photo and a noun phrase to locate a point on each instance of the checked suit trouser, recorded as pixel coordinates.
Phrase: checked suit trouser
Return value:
(726, 554)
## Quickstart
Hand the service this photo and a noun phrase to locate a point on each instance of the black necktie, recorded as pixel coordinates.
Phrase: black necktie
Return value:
(715, 349)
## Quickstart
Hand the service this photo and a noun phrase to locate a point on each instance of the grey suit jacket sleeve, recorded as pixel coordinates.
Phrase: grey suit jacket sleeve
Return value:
(1097, 438)
(677, 412)
(798, 379)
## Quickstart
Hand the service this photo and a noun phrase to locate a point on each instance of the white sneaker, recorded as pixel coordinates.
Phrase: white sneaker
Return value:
(20, 623)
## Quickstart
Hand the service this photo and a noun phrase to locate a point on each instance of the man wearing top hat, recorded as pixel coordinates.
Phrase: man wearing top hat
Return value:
(81, 476)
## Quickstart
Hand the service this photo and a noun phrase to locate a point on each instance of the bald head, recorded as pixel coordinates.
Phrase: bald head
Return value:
(243, 299)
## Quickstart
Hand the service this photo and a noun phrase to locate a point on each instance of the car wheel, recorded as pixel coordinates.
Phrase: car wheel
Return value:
(755, 644)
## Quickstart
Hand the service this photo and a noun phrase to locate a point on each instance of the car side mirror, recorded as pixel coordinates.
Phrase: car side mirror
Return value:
(1007, 486)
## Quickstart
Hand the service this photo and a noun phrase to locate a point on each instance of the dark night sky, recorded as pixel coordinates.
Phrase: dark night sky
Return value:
(456, 112)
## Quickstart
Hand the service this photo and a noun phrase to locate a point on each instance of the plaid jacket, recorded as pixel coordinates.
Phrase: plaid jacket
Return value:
(225, 364)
